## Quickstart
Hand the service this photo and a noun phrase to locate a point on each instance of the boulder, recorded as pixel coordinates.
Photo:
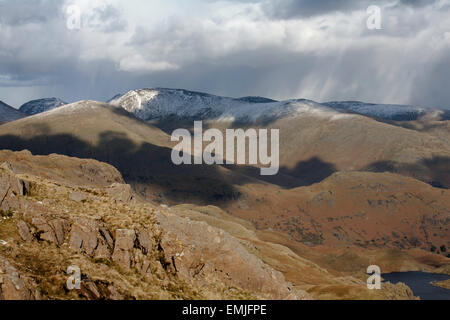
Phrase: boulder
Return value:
(44, 230)
(60, 228)
(145, 243)
(83, 237)
(105, 244)
(24, 231)
(120, 192)
(10, 188)
(123, 250)
(53, 231)
(92, 237)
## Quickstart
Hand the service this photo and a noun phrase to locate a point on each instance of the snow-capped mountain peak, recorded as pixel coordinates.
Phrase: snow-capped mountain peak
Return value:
(41, 105)
(152, 104)
(161, 103)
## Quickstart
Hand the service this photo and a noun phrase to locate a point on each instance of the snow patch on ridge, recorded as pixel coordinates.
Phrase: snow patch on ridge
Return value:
(41, 105)
(73, 108)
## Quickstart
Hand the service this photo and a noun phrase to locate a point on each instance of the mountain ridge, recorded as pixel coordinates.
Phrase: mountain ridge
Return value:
(162, 103)
(8, 113)
(41, 105)
(157, 103)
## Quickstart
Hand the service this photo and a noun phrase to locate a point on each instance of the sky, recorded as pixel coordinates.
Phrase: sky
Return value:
(281, 49)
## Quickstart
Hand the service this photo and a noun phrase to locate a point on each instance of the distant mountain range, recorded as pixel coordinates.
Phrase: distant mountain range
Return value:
(8, 113)
(327, 137)
(162, 103)
(41, 105)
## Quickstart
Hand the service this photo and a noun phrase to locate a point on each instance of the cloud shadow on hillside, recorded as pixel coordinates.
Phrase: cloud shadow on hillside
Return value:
(305, 173)
(434, 171)
(143, 166)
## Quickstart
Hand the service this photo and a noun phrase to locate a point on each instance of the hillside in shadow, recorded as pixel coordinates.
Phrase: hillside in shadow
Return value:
(143, 166)
(305, 173)
(434, 171)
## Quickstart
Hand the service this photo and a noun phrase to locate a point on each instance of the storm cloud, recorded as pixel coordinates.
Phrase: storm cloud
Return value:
(320, 50)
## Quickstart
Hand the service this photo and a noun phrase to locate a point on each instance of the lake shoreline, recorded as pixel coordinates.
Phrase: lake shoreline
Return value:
(427, 286)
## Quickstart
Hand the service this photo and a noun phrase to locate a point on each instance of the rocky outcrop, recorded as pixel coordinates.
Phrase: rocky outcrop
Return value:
(398, 291)
(92, 238)
(193, 252)
(12, 285)
(53, 230)
(196, 250)
(97, 291)
(145, 243)
(62, 169)
(120, 247)
(10, 188)
(120, 192)
(95, 239)
(24, 231)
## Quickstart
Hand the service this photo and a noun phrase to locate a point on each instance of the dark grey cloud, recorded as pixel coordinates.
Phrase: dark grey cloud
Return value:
(304, 8)
(22, 12)
(288, 9)
(34, 46)
(297, 49)
(430, 87)
(418, 3)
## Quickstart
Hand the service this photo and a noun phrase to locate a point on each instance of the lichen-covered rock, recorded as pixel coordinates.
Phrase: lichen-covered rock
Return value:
(123, 249)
